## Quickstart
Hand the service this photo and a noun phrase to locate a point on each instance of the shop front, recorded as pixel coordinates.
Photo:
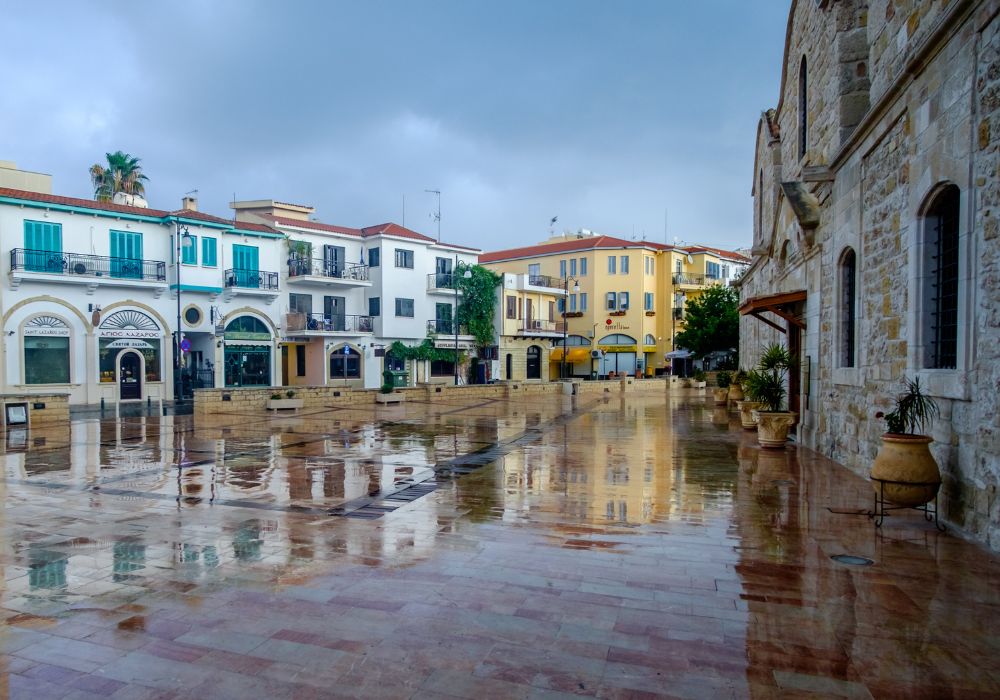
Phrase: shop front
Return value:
(618, 355)
(248, 347)
(130, 357)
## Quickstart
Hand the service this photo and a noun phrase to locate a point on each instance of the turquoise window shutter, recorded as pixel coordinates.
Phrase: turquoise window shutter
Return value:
(209, 255)
(189, 250)
(41, 240)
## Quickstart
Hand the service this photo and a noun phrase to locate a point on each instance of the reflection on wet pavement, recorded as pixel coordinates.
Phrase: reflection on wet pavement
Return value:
(627, 546)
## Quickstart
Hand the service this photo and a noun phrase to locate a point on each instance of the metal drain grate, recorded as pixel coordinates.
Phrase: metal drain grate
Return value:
(852, 560)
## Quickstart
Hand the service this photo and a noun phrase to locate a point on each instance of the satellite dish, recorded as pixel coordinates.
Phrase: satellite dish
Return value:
(690, 258)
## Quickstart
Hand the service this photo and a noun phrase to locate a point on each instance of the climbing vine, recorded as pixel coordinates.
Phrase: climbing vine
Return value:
(424, 351)
(478, 303)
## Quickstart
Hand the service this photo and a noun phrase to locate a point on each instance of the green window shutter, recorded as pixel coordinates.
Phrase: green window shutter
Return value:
(126, 254)
(189, 250)
(42, 238)
(208, 252)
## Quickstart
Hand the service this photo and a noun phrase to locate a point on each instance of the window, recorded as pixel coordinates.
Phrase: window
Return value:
(583, 266)
(552, 311)
(511, 307)
(209, 252)
(803, 110)
(624, 265)
(192, 315)
(404, 258)
(40, 239)
(572, 302)
(534, 270)
(126, 254)
(404, 307)
(562, 269)
(612, 300)
(562, 305)
(46, 359)
(612, 261)
(534, 358)
(712, 270)
(725, 272)
(374, 257)
(650, 339)
(583, 301)
(940, 282)
(572, 267)
(345, 363)
(107, 352)
(623, 300)
(300, 360)
(647, 301)
(189, 250)
(848, 305)
(374, 306)
(442, 368)
(678, 266)
(300, 303)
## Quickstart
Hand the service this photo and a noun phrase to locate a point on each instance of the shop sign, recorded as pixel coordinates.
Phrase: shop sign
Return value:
(247, 335)
(610, 325)
(42, 330)
(126, 333)
(618, 348)
(450, 344)
(130, 343)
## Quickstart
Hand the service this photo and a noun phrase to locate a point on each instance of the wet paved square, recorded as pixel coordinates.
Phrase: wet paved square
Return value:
(618, 547)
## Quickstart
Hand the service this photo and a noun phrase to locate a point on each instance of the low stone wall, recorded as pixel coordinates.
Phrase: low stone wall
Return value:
(43, 409)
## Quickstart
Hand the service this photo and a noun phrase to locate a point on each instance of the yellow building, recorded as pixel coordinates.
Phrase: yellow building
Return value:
(624, 300)
(528, 322)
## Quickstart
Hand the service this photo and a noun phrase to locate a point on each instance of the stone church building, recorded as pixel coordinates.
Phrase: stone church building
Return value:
(876, 250)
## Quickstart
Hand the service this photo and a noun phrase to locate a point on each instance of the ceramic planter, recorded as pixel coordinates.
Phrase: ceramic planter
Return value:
(735, 394)
(721, 396)
(391, 397)
(772, 428)
(284, 404)
(747, 419)
(906, 459)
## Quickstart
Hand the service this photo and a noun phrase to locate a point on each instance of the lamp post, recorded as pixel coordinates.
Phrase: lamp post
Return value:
(454, 316)
(576, 288)
(182, 232)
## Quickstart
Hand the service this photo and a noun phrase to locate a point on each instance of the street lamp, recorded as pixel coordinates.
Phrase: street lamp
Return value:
(182, 232)
(576, 288)
(454, 283)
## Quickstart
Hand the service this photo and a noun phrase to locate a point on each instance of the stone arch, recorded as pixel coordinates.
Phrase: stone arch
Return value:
(55, 300)
(149, 310)
(338, 347)
(250, 311)
(47, 319)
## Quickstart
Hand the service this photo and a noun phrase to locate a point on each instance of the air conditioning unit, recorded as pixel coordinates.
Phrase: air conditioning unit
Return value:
(536, 325)
(594, 354)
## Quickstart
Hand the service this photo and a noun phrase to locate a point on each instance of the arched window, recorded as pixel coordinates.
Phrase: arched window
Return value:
(803, 109)
(247, 325)
(345, 363)
(940, 280)
(848, 307)
(574, 340)
(46, 350)
(650, 339)
(534, 368)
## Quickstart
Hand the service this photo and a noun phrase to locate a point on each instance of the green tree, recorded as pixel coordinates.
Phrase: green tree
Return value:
(478, 302)
(123, 173)
(711, 321)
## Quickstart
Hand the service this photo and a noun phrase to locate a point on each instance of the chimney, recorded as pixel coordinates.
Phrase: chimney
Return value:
(189, 203)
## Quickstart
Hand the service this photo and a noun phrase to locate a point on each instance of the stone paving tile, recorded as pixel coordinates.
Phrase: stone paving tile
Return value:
(622, 548)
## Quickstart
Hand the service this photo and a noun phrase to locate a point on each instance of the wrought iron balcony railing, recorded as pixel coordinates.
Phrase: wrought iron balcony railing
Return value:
(445, 326)
(84, 265)
(689, 279)
(440, 280)
(299, 267)
(534, 325)
(251, 279)
(323, 323)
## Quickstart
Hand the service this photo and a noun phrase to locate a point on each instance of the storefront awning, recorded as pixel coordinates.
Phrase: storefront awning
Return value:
(572, 354)
(778, 304)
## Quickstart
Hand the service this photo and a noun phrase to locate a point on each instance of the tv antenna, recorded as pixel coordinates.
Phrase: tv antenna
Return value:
(436, 216)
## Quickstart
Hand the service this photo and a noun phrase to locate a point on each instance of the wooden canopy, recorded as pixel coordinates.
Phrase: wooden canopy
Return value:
(779, 305)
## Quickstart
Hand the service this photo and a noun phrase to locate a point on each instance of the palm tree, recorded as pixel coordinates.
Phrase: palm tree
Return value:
(122, 174)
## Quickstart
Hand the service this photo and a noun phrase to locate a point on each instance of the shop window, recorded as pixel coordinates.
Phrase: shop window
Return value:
(442, 368)
(345, 363)
(46, 360)
(108, 349)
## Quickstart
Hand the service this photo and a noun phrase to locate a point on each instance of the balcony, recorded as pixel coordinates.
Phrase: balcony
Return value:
(445, 326)
(441, 283)
(682, 280)
(259, 283)
(445, 337)
(81, 268)
(303, 324)
(327, 273)
(534, 327)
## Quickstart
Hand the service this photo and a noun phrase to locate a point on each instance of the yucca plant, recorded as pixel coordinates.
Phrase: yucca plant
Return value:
(766, 388)
(914, 410)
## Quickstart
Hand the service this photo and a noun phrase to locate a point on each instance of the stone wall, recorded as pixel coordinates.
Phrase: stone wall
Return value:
(943, 127)
(43, 409)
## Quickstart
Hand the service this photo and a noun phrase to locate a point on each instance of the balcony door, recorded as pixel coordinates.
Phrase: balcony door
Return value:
(442, 318)
(126, 254)
(333, 260)
(333, 313)
(43, 246)
(529, 314)
(246, 266)
(442, 273)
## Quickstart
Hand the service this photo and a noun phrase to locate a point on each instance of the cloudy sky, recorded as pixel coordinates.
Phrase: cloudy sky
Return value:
(627, 118)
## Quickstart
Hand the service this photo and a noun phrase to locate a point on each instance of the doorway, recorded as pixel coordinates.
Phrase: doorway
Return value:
(129, 376)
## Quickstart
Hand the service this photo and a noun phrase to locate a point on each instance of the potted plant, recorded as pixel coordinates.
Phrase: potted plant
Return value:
(766, 385)
(277, 403)
(722, 381)
(699, 379)
(388, 393)
(904, 469)
(736, 387)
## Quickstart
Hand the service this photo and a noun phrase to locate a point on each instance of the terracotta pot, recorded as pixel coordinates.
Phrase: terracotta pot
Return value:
(907, 459)
(746, 417)
(736, 393)
(721, 396)
(772, 428)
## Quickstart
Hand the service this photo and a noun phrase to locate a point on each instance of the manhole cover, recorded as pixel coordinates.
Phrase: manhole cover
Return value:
(852, 560)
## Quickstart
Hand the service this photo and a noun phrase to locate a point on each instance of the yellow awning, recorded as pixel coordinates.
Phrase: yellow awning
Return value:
(572, 354)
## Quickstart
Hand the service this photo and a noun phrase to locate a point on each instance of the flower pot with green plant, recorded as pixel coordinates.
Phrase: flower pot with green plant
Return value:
(699, 379)
(388, 393)
(766, 385)
(904, 471)
(721, 393)
(736, 387)
(277, 402)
